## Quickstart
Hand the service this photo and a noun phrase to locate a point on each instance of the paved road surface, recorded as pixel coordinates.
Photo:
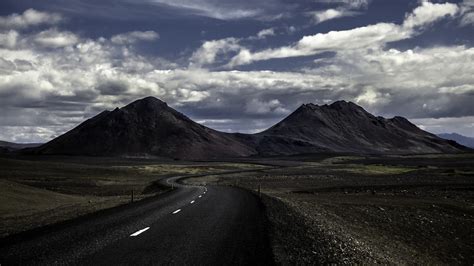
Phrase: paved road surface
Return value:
(191, 225)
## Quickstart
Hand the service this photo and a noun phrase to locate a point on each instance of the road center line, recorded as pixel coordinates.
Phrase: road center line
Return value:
(200, 196)
(192, 202)
(178, 210)
(140, 231)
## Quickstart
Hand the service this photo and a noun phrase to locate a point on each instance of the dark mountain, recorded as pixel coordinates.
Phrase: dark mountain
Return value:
(347, 127)
(145, 127)
(17, 146)
(463, 140)
(149, 127)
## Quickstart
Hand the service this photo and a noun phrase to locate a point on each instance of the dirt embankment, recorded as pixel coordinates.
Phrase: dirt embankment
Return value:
(301, 240)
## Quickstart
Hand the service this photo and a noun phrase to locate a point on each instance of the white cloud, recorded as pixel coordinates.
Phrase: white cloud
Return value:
(371, 36)
(358, 38)
(369, 96)
(190, 95)
(428, 13)
(467, 10)
(209, 50)
(265, 33)
(30, 17)
(468, 2)
(29, 134)
(429, 68)
(345, 8)
(134, 36)
(321, 16)
(461, 125)
(213, 9)
(8, 39)
(62, 87)
(255, 106)
(54, 39)
(467, 19)
(354, 4)
(92, 75)
(461, 89)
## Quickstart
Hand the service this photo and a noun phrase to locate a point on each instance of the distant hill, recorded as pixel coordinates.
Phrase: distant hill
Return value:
(463, 140)
(17, 146)
(150, 127)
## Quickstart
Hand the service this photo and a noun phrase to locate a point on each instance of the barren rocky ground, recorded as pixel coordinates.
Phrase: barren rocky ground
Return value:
(364, 210)
(322, 209)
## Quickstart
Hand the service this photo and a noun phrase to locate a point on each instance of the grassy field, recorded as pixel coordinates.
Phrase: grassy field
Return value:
(367, 209)
(36, 191)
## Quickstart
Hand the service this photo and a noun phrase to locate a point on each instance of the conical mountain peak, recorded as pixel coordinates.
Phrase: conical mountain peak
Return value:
(150, 103)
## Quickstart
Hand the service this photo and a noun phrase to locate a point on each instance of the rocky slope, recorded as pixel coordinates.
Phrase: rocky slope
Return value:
(145, 127)
(347, 127)
(149, 127)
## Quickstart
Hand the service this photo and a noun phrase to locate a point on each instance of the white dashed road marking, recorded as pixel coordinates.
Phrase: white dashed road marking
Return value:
(178, 210)
(192, 202)
(140, 231)
(200, 196)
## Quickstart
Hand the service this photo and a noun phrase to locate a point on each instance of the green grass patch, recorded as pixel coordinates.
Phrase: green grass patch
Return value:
(376, 169)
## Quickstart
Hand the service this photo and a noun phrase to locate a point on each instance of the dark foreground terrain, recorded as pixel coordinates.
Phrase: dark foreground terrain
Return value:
(316, 209)
(36, 191)
(349, 209)
(181, 225)
(190, 225)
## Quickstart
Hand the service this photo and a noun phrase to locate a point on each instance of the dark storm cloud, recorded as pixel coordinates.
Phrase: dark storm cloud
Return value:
(429, 105)
(17, 95)
(112, 88)
(259, 105)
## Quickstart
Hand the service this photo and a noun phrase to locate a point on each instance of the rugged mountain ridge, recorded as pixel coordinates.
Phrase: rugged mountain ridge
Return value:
(346, 127)
(149, 127)
(463, 140)
(17, 146)
(145, 127)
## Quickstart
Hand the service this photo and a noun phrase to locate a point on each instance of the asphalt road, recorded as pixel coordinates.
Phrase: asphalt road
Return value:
(191, 225)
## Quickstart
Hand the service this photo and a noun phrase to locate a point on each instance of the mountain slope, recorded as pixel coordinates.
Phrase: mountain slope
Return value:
(145, 127)
(463, 140)
(347, 127)
(6, 146)
(149, 127)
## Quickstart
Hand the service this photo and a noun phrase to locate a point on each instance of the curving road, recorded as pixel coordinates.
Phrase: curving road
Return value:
(190, 225)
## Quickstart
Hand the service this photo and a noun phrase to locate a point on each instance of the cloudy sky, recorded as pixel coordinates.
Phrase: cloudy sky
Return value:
(234, 65)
